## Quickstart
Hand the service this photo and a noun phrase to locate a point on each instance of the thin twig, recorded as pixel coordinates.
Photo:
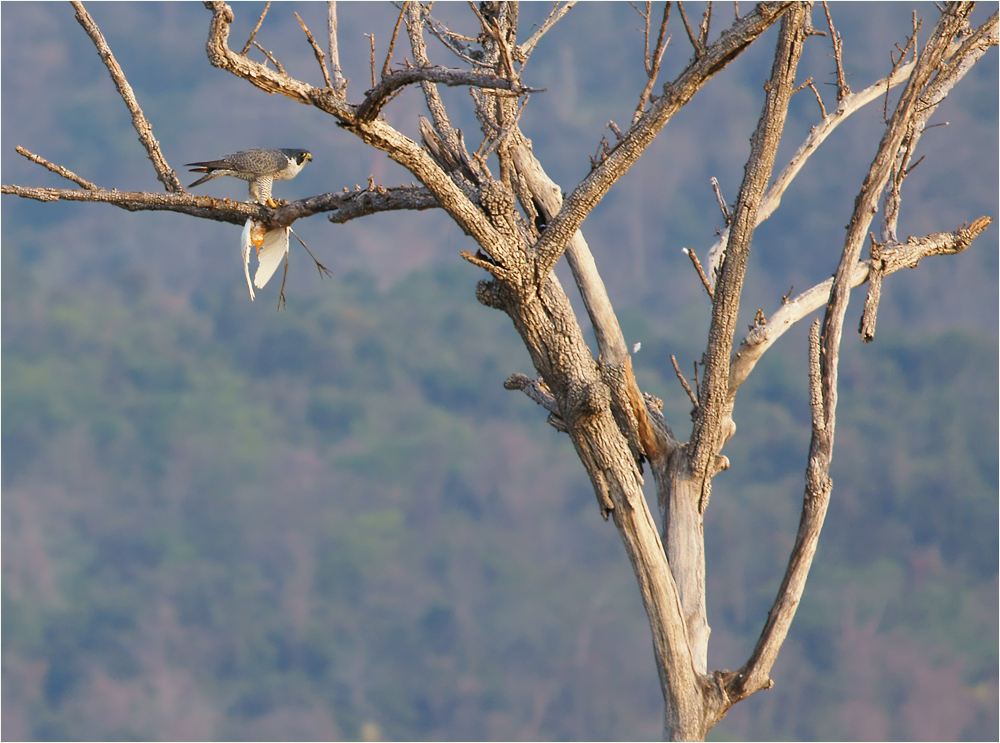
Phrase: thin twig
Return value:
(895, 65)
(392, 41)
(843, 89)
(450, 39)
(684, 382)
(57, 169)
(723, 207)
(699, 48)
(371, 37)
(822, 108)
(652, 61)
(525, 49)
(253, 34)
(701, 272)
(274, 61)
(320, 57)
(706, 19)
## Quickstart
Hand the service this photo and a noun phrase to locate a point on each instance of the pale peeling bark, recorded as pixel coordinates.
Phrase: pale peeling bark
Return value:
(522, 225)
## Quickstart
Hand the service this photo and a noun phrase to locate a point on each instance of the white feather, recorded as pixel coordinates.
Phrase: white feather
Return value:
(272, 252)
(245, 246)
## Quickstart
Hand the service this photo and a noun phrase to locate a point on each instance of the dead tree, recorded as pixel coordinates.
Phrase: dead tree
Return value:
(523, 224)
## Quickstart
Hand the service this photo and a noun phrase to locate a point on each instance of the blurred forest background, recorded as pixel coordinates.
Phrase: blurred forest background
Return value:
(332, 522)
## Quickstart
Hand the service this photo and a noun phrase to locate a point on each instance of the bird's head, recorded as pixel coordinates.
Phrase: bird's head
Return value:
(299, 157)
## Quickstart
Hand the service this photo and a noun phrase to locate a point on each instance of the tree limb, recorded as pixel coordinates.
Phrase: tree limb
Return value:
(339, 83)
(525, 49)
(390, 84)
(625, 153)
(892, 258)
(164, 172)
(817, 135)
(345, 206)
(57, 169)
(712, 425)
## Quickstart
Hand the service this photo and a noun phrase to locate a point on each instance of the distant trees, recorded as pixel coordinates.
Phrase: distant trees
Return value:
(524, 223)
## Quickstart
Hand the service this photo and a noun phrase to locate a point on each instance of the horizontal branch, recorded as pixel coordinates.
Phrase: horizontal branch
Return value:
(345, 206)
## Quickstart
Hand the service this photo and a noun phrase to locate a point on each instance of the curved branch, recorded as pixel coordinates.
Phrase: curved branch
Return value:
(392, 83)
(268, 80)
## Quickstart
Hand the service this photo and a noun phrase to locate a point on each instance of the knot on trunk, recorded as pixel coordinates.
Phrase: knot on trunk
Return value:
(587, 399)
(488, 293)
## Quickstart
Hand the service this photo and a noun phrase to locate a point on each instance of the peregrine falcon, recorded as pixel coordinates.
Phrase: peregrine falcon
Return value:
(261, 167)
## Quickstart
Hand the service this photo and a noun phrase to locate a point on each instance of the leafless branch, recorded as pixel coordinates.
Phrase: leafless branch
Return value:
(954, 69)
(875, 273)
(164, 173)
(536, 389)
(392, 41)
(907, 110)
(57, 169)
(822, 108)
(706, 19)
(456, 43)
(755, 673)
(684, 382)
(590, 191)
(320, 57)
(274, 60)
(713, 424)
(891, 258)
(342, 207)
(843, 89)
(616, 364)
(699, 47)
(339, 83)
(524, 50)
(371, 38)
(819, 133)
(723, 207)
(392, 83)
(652, 60)
(253, 34)
(701, 272)
(911, 42)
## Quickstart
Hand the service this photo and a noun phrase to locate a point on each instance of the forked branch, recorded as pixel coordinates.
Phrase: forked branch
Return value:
(626, 151)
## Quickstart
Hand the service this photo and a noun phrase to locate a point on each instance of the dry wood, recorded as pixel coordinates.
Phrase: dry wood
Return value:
(523, 225)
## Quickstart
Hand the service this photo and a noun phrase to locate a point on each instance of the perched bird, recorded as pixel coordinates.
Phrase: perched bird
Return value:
(261, 167)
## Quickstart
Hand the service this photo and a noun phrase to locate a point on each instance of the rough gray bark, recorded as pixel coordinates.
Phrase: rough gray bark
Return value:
(523, 225)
